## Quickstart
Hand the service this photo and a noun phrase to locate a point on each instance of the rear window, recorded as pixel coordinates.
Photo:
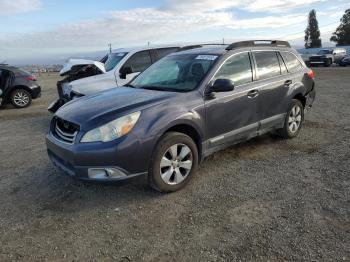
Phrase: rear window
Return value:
(21, 72)
(162, 52)
(267, 64)
(292, 62)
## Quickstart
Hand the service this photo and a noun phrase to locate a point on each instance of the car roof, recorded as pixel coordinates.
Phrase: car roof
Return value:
(208, 50)
(8, 67)
(138, 49)
(223, 49)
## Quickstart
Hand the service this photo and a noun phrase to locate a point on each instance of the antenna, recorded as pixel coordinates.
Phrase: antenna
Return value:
(148, 43)
(110, 48)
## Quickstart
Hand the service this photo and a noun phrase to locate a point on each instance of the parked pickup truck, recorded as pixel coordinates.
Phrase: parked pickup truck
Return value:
(327, 57)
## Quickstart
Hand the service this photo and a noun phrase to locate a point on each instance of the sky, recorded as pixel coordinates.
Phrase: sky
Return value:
(45, 30)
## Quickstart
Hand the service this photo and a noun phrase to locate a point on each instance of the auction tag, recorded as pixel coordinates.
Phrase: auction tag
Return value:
(206, 57)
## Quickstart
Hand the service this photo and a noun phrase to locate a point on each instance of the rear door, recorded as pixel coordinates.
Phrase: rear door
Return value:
(272, 86)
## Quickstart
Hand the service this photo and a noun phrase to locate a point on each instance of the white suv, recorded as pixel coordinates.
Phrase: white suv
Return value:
(86, 77)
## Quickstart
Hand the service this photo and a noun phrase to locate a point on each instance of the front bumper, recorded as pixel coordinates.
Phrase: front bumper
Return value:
(81, 161)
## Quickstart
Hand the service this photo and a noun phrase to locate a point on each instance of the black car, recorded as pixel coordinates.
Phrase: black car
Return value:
(181, 109)
(17, 86)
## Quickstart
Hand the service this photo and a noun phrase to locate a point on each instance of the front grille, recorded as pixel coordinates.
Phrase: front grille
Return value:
(315, 59)
(65, 131)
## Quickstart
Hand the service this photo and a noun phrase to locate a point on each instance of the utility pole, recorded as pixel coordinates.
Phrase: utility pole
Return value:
(148, 43)
(110, 48)
(223, 41)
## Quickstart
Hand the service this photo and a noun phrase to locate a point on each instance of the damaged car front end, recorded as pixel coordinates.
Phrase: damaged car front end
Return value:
(75, 69)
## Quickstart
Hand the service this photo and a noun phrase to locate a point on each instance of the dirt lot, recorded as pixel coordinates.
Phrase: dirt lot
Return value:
(267, 199)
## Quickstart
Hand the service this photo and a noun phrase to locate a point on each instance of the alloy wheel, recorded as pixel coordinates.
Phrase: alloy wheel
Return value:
(21, 98)
(176, 164)
(294, 120)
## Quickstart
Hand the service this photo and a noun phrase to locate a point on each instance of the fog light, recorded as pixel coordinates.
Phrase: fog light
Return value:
(105, 173)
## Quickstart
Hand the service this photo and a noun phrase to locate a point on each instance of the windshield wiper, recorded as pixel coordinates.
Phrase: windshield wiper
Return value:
(130, 85)
(159, 88)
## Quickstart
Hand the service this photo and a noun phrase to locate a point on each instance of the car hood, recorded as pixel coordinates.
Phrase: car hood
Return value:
(320, 55)
(93, 84)
(74, 65)
(96, 110)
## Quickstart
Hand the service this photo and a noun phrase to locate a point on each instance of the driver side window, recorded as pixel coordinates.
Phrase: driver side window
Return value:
(237, 68)
(139, 61)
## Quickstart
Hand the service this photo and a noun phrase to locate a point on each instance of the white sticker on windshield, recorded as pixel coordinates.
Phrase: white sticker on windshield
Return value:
(207, 57)
(120, 54)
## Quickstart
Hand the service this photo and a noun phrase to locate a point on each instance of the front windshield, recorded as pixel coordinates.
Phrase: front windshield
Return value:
(325, 52)
(178, 73)
(113, 59)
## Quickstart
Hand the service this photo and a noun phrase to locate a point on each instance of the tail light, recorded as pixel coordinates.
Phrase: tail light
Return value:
(311, 74)
(31, 78)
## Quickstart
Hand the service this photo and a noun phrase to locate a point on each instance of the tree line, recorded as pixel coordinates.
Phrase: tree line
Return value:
(341, 36)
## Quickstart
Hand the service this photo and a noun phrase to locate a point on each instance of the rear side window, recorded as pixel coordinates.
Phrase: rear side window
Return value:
(282, 64)
(21, 72)
(162, 52)
(139, 61)
(267, 64)
(292, 62)
(237, 68)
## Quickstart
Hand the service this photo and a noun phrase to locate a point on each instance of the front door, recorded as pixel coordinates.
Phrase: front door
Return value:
(138, 62)
(231, 116)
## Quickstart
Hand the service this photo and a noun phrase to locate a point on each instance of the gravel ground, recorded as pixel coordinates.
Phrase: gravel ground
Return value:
(266, 199)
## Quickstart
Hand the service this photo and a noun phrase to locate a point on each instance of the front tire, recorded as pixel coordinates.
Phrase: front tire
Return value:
(21, 98)
(173, 163)
(328, 63)
(293, 121)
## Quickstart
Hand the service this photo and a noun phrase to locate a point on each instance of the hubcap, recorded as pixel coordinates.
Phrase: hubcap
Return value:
(176, 164)
(294, 119)
(21, 98)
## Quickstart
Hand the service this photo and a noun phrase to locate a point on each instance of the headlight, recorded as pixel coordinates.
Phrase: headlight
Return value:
(113, 130)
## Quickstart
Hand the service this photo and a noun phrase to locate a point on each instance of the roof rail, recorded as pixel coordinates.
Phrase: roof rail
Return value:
(253, 43)
(188, 47)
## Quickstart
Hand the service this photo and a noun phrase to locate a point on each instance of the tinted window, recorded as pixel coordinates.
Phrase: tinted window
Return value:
(21, 72)
(162, 52)
(267, 64)
(237, 68)
(139, 61)
(293, 63)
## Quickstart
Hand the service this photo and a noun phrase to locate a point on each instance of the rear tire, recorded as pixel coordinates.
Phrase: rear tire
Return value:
(293, 121)
(21, 98)
(173, 162)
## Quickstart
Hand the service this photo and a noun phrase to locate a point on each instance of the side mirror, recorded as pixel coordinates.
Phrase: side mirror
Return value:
(222, 85)
(124, 71)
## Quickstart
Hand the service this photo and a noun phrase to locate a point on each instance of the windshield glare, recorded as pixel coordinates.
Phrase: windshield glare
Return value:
(113, 59)
(179, 73)
(325, 52)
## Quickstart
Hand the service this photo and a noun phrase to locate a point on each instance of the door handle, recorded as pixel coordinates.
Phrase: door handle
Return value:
(288, 82)
(253, 93)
